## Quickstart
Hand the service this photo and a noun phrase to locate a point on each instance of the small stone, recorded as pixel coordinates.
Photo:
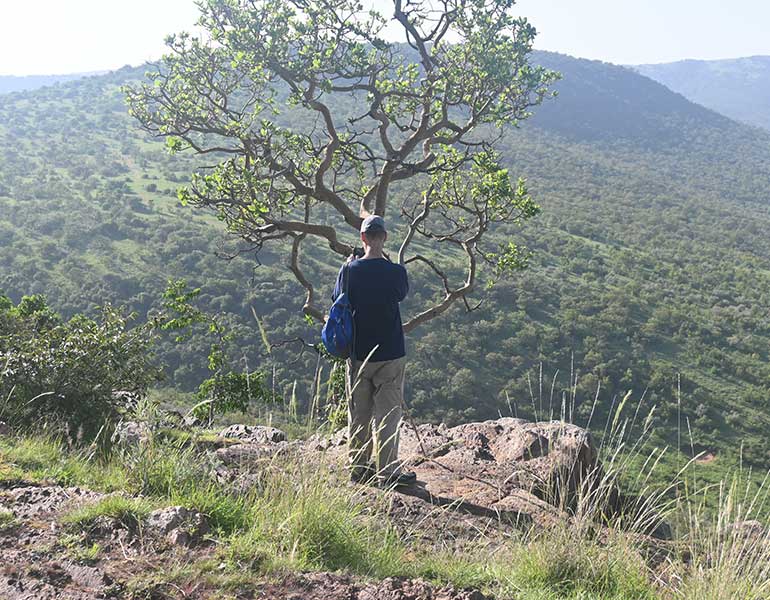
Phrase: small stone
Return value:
(5, 429)
(179, 537)
(181, 526)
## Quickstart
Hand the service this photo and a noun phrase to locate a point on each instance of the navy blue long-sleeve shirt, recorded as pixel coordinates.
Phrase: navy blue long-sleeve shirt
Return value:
(375, 287)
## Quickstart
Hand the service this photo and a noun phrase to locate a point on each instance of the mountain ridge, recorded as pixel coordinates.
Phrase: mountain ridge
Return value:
(736, 87)
(20, 83)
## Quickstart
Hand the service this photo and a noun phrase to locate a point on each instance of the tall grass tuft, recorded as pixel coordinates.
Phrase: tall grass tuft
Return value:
(130, 512)
(726, 551)
(303, 520)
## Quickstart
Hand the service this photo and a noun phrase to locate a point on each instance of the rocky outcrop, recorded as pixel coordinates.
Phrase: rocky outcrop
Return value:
(510, 466)
(506, 468)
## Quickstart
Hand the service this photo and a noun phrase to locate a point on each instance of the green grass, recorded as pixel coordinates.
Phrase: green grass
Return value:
(41, 458)
(129, 512)
(559, 565)
(306, 520)
(303, 517)
(79, 550)
(7, 519)
(554, 564)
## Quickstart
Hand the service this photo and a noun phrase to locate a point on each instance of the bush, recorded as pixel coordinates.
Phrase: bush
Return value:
(80, 374)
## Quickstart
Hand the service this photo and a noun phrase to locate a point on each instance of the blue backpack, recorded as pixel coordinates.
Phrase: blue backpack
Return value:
(338, 333)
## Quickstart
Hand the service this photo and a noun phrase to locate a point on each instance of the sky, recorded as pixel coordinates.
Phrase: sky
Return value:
(44, 37)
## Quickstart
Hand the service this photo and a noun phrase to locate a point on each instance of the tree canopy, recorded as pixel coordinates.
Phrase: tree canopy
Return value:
(364, 115)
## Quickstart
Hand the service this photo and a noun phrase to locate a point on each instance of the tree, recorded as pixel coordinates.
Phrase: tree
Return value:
(316, 121)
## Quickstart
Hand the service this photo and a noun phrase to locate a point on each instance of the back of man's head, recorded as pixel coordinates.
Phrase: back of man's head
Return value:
(373, 229)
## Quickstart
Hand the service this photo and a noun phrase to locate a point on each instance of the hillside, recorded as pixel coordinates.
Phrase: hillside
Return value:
(650, 258)
(738, 88)
(16, 83)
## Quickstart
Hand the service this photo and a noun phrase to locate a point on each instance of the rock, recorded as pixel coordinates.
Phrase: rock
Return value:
(164, 520)
(5, 429)
(131, 433)
(179, 537)
(396, 588)
(31, 501)
(324, 442)
(549, 459)
(190, 420)
(257, 434)
(508, 469)
(253, 454)
(179, 525)
(746, 530)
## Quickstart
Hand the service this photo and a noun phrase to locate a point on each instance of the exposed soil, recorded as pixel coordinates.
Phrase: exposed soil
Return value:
(39, 560)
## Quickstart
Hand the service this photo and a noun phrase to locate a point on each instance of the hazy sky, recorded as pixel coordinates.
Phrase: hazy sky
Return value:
(65, 36)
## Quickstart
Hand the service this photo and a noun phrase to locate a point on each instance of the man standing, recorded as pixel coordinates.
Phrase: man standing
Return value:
(376, 369)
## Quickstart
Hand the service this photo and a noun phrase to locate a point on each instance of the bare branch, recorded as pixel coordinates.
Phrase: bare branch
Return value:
(309, 307)
(449, 298)
(415, 223)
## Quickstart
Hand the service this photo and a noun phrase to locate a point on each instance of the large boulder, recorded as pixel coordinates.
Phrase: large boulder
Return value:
(507, 468)
(254, 434)
(501, 463)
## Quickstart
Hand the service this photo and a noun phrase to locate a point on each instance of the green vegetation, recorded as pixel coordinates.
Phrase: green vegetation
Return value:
(6, 519)
(294, 515)
(644, 308)
(308, 120)
(650, 260)
(79, 373)
(301, 522)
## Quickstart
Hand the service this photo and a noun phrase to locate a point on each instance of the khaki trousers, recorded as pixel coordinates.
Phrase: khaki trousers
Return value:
(374, 413)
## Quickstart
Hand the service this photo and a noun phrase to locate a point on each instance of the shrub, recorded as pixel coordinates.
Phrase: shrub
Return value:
(80, 373)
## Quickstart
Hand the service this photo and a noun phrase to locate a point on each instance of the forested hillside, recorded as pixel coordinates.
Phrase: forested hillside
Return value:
(651, 260)
(737, 87)
(14, 83)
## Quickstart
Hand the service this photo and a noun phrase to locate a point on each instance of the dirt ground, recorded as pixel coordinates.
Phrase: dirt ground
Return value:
(40, 560)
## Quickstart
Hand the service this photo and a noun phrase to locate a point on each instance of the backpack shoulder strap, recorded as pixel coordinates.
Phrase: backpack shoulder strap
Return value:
(346, 279)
